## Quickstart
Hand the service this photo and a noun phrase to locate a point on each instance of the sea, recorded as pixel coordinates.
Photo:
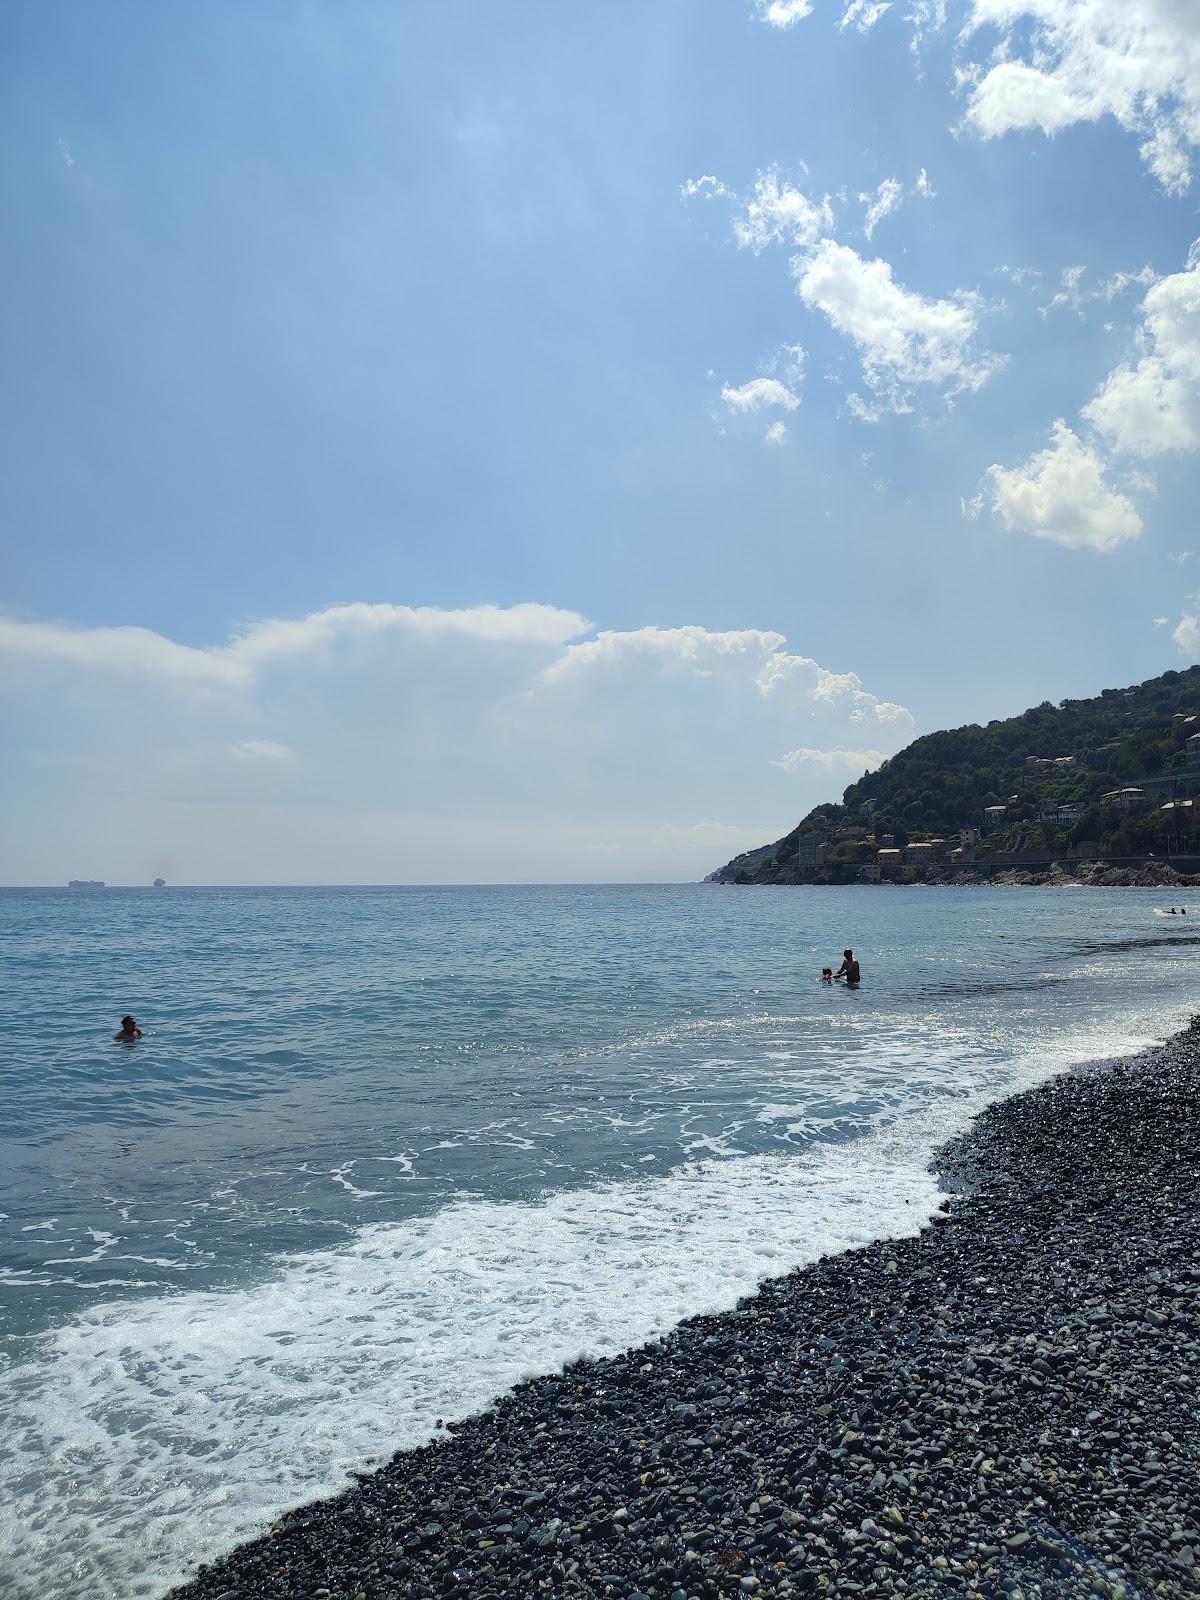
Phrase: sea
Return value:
(382, 1153)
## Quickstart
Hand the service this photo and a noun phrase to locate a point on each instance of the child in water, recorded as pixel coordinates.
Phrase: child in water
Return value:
(826, 974)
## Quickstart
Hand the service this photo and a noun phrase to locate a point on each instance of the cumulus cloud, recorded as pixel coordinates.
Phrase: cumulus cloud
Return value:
(1187, 636)
(779, 213)
(849, 763)
(904, 339)
(758, 394)
(776, 434)
(418, 745)
(139, 650)
(1062, 494)
(1061, 62)
(707, 187)
(784, 13)
(1145, 409)
(1152, 405)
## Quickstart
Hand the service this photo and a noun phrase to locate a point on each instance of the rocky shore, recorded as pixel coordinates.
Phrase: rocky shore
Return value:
(1008, 1404)
(1087, 874)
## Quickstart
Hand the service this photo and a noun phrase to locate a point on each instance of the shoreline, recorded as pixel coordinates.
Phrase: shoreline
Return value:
(1003, 1404)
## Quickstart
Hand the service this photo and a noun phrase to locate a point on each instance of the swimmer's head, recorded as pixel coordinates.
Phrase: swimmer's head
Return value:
(849, 954)
(128, 1023)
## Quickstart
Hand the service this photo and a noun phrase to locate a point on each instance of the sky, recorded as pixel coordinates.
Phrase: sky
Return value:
(453, 442)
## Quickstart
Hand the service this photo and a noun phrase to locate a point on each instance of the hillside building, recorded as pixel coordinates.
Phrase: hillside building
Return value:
(811, 852)
(889, 862)
(1124, 800)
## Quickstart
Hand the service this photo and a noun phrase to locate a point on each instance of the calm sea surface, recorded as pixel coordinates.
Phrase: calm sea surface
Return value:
(384, 1152)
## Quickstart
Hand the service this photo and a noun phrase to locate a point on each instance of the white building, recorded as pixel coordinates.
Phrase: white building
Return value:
(1124, 799)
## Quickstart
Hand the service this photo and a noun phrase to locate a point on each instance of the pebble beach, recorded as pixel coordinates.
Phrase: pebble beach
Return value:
(1006, 1404)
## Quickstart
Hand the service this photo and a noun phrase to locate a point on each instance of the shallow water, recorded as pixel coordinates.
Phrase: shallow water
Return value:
(384, 1152)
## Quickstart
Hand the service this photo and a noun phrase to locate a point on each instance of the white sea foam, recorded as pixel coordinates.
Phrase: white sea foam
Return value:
(149, 1434)
(181, 1424)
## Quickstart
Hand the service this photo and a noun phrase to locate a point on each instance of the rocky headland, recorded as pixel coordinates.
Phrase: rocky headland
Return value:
(1006, 1404)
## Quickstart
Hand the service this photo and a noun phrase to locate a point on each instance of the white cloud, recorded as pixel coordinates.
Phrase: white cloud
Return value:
(893, 715)
(689, 650)
(260, 750)
(473, 745)
(779, 213)
(752, 658)
(784, 13)
(881, 204)
(847, 762)
(759, 393)
(890, 194)
(1187, 637)
(139, 650)
(1066, 61)
(707, 187)
(1020, 275)
(1180, 556)
(863, 14)
(64, 151)
(1160, 622)
(1152, 405)
(904, 338)
(1071, 292)
(1062, 494)
(1145, 409)
(776, 434)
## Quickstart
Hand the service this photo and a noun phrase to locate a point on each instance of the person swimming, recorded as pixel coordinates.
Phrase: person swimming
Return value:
(826, 974)
(129, 1031)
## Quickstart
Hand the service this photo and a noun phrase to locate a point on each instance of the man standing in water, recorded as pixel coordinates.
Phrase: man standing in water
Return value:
(129, 1031)
(849, 970)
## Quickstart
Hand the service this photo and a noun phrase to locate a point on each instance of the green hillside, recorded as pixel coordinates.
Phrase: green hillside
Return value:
(1087, 752)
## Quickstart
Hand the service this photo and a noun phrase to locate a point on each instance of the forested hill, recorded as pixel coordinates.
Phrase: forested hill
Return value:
(1084, 751)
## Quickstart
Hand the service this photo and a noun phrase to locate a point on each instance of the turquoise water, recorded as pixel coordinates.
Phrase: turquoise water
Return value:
(383, 1152)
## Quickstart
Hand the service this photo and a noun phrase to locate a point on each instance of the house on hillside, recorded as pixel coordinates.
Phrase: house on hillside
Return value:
(993, 816)
(1192, 747)
(923, 853)
(1125, 800)
(889, 862)
(811, 852)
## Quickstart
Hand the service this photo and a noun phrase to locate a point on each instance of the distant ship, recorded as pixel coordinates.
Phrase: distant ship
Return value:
(160, 883)
(86, 883)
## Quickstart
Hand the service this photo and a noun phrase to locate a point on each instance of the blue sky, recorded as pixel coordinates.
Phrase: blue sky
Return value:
(658, 488)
